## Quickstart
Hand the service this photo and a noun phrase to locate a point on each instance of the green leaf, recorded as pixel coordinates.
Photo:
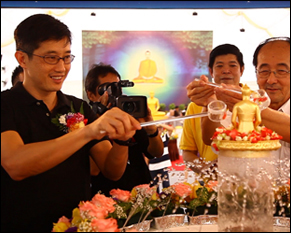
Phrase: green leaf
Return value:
(55, 121)
(203, 195)
(82, 109)
(72, 108)
(195, 203)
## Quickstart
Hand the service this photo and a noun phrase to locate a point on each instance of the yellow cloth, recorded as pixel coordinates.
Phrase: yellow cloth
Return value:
(191, 138)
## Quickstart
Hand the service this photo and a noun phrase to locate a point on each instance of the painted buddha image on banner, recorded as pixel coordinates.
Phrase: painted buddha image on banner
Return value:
(160, 61)
(147, 71)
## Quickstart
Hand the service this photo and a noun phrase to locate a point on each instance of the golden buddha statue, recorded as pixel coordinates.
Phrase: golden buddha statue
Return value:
(246, 111)
(154, 106)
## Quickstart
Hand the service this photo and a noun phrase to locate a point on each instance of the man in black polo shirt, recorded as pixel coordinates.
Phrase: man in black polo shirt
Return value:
(45, 170)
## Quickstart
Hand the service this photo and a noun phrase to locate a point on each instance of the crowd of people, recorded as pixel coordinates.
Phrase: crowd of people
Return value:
(57, 150)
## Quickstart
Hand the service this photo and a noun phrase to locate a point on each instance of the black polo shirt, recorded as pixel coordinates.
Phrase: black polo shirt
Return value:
(34, 203)
(136, 172)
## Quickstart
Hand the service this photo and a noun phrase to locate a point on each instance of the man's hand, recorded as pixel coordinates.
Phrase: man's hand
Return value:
(114, 123)
(200, 93)
(151, 128)
(230, 98)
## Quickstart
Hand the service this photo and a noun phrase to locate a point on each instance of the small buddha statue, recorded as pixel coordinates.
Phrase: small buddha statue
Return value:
(246, 111)
(154, 106)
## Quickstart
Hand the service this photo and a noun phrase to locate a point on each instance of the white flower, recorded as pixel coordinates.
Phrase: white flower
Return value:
(62, 119)
(245, 138)
(238, 138)
(227, 137)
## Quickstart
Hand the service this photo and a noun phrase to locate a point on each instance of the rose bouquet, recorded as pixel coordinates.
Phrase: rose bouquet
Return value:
(90, 216)
(135, 206)
(110, 214)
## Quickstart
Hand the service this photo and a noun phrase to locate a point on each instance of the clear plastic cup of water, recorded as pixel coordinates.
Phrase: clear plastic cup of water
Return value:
(216, 110)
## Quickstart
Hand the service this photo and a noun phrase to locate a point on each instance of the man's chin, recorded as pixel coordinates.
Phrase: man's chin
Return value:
(227, 81)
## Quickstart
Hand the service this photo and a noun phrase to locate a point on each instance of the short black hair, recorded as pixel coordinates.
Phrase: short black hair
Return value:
(35, 29)
(97, 71)
(14, 78)
(256, 53)
(223, 50)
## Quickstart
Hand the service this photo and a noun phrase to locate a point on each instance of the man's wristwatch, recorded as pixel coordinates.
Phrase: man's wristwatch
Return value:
(124, 143)
(154, 134)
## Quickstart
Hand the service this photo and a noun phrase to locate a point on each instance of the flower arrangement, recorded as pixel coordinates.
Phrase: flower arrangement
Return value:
(203, 198)
(110, 214)
(124, 208)
(70, 121)
(90, 216)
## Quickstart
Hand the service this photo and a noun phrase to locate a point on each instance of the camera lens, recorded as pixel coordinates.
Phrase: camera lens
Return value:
(128, 107)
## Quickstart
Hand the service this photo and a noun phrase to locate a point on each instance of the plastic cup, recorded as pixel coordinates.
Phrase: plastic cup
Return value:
(216, 110)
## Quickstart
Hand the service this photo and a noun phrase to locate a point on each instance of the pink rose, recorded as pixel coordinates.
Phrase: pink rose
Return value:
(144, 189)
(212, 184)
(181, 189)
(90, 210)
(106, 203)
(122, 195)
(104, 225)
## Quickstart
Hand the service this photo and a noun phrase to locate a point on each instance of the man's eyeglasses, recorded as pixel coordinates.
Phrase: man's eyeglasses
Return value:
(54, 59)
(278, 73)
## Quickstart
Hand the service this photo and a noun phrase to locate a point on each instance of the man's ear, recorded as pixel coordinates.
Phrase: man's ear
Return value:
(242, 70)
(21, 57)
(210, 71)
(91, 96)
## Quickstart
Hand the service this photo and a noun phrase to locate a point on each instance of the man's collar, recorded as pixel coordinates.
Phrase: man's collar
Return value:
(29, 99)
(285, 107)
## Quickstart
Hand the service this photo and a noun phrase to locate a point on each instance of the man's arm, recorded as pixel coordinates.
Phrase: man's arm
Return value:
(198, 165)
(156, 145)
(110, 159)
(24, 160)
(189, 157)
(278, 122)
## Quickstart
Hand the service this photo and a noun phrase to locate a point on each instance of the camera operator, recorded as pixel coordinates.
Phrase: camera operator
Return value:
(146, 142)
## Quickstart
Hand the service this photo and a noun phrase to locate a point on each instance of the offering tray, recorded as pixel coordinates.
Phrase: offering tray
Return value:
(208, 223)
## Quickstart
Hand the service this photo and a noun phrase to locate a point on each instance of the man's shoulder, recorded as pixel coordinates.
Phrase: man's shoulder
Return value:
(71, 99)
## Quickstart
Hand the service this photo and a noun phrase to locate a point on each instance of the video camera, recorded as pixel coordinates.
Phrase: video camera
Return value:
(133, 105)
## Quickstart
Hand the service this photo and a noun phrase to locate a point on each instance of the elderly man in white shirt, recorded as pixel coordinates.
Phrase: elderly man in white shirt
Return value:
(272, 64)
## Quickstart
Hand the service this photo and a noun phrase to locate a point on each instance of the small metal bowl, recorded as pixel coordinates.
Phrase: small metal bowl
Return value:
(142, 226)
(169, 221)
(203, 220)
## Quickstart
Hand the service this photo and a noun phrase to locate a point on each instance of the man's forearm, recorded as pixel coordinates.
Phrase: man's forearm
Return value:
(278, 122)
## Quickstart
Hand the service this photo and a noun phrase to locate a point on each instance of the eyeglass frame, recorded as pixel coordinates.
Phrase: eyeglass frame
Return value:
(272, 71)
(59, 58)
